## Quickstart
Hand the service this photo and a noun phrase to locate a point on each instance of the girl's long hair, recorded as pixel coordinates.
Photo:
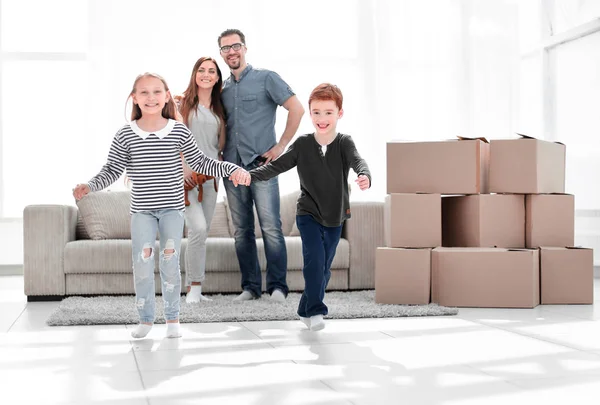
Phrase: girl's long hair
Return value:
(168, 111)
(189, 101)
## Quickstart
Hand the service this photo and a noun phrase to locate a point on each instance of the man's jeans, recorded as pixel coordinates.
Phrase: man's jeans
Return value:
(319, 244)
(144, 225)
(265, 195)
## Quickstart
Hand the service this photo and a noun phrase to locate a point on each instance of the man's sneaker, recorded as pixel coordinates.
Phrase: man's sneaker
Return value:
(278, 295)
(245, 296)
(317, 322)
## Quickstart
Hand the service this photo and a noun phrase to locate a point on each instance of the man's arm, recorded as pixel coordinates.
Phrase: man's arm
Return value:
(295, 113)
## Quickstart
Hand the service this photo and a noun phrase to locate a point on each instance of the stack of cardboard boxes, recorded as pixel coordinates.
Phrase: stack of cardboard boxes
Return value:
(502, 235)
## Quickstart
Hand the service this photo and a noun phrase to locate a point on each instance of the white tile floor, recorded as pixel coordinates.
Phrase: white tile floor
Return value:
(480, 356)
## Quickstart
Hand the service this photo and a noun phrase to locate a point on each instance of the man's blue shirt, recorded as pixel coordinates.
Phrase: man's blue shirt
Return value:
(250, 107)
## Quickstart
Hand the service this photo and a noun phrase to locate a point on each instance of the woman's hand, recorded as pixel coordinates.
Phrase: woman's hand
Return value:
(80, 190)
(188, 177)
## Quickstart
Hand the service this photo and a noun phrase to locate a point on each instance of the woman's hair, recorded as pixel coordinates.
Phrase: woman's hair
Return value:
(168, 111)
(326, 92)
(189, 101)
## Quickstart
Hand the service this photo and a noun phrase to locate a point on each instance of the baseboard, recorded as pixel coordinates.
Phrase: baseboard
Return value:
(43, 298)
(11, 269)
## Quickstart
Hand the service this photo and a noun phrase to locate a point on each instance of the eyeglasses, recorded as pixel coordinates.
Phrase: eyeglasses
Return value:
(236, 47)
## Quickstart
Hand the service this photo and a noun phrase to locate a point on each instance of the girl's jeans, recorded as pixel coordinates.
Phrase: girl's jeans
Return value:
(144, 226)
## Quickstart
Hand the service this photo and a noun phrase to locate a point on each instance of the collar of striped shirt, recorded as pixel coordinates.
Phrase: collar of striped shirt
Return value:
(160, 133)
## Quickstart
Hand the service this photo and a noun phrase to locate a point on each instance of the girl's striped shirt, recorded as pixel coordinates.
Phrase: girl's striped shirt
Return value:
(154, 166)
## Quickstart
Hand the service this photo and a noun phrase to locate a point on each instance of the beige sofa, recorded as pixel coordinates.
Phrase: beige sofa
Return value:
(86, 249)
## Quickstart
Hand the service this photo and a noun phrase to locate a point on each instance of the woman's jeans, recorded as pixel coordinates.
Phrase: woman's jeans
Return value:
(318, 249)
(144, 226)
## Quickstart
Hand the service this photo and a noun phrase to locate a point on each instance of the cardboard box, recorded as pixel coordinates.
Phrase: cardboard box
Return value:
(567, 275)
(527, 166)
(445, 167)
(485, 277)
(402, 276)
(412, 220)
(549, 220)
(485, 220)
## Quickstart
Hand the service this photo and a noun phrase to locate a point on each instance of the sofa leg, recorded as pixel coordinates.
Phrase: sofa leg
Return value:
(41, 298)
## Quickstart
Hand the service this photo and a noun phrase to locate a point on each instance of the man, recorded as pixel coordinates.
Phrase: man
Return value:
(251, 97)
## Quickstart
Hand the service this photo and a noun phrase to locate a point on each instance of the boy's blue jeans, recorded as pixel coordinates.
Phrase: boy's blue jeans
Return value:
(318, 249)
(265, 195)
(144, 225)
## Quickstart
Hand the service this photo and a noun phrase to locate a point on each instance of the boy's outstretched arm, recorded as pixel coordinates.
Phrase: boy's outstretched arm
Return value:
(357, 163)
(284, 163)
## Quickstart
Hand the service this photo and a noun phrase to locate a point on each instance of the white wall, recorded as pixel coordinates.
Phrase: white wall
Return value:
(11, 242)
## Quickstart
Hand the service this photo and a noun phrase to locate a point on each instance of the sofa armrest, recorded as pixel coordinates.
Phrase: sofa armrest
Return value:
(46, 231)
(364, 231)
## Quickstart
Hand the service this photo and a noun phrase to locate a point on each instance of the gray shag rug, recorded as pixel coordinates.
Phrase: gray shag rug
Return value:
(111, 310)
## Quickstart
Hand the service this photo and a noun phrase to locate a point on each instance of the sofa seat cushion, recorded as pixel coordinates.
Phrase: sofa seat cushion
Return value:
(221, 254)
(114, 255)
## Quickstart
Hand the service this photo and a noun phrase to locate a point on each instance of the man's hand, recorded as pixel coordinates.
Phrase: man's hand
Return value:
(80, 190)
(363, 182)
(240, 176)
(273, 153)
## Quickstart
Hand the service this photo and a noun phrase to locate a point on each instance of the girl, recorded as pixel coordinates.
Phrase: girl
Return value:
(149, 149)
(202, 113)
(324, 159)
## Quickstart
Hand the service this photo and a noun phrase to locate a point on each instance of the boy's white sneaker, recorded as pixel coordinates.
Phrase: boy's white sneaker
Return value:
(245, 296)
(317, 323)
(305, 321)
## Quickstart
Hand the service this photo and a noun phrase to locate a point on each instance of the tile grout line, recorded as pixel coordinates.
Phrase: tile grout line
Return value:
(17, 318)
(334, 390)
(139, 371)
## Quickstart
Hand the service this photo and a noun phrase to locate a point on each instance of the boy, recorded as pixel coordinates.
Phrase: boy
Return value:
(323, 160)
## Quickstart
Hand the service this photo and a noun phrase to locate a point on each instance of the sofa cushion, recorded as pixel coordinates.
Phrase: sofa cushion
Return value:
(288, 209)
(219, 227)
(105, 214)
(80, 231)
(114, 256)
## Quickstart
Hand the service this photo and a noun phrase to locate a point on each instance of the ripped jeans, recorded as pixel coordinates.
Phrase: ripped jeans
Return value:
(144, 225)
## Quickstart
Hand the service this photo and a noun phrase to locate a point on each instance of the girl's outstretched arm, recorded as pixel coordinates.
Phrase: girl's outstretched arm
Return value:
(118, 157)
(200, 163)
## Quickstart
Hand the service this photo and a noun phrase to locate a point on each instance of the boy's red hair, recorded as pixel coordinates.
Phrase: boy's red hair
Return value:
(325, 92)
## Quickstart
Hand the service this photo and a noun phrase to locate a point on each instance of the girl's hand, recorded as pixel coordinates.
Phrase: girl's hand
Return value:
(363, 182)
(80, 190)
(240, 176)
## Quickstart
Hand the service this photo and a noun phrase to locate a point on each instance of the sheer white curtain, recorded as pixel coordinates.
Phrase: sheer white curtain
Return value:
(409, 69)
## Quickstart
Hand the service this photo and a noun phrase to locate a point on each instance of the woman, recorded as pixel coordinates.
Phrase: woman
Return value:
(202, 111)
